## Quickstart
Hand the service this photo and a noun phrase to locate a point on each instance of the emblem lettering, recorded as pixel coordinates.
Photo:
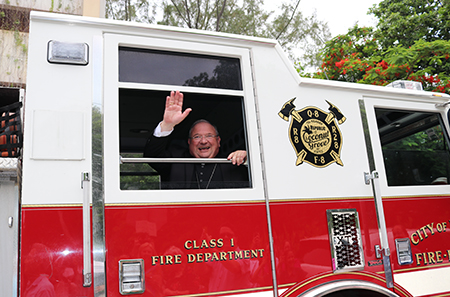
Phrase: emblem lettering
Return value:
(314, 133)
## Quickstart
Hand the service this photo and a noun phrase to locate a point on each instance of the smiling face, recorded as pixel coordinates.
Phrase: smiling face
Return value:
(203, 141)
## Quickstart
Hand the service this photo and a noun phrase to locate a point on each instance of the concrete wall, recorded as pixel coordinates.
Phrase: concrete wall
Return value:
(14, 38)
(13, 58)
(64, 6)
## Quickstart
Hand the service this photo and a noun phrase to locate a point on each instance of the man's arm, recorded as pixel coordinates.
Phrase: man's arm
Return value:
(156, 147)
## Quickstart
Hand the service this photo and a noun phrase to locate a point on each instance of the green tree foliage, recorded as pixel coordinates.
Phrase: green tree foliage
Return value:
(294, 31)
(231, 16)
(247, 17)
(406, 21)
(137, 176)
(364, 55)
(130, 10)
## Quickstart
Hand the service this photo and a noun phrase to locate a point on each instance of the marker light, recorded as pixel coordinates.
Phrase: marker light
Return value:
(406, 84)
(67, 53)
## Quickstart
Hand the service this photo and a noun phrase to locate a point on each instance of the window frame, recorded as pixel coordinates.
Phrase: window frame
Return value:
(372, 103)
(113, 194)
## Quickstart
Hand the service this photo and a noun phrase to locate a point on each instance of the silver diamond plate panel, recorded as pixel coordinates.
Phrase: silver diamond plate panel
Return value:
(8, 164)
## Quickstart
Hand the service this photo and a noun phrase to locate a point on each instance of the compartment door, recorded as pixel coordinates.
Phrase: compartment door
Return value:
(9, 206)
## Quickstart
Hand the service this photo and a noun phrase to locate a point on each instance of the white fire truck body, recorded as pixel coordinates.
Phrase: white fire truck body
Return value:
(346, 191)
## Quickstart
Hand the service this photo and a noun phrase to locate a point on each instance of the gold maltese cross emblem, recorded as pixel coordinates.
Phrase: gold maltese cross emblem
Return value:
(314, 133)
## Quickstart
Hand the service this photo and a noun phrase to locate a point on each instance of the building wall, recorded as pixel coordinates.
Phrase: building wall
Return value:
(14, 27)
(63, 6)
(13, 58)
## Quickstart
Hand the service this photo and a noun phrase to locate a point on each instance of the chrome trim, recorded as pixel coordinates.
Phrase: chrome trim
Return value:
(337, 286)
(85, 177)
(98, 202)
(367, 138)
(374, 177)
(174, 160)
(87, 268)
(386, 252)
(378, 251)
(266, 190)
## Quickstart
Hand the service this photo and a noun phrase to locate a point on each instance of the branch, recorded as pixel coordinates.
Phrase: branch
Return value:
(197, 19)
(205, 20)
(290, 20)
(181, 15)
(219, 15)
(188, 13)
(127, 5)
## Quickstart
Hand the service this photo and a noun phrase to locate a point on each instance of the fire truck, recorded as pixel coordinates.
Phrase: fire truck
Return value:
(347, 191)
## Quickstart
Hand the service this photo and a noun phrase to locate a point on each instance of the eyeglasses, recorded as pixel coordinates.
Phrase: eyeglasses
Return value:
(207, 137)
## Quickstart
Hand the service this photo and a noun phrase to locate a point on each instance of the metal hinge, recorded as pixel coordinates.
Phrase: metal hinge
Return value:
(370, 176)
(84, 177)
(441, 105)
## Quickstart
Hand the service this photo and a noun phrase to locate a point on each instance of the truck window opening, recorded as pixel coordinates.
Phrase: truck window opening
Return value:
(415, 148)
(140, 111)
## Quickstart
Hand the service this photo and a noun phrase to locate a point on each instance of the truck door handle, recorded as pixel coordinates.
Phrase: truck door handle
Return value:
(87, 269)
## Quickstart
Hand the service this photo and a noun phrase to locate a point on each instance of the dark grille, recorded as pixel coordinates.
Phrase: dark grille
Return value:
(345, 239)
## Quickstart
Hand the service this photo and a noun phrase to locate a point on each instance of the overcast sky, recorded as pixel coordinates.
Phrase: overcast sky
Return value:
(339, 14)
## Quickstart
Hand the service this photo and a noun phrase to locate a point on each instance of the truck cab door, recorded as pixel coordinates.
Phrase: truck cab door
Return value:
(150, 221)
(408, 148)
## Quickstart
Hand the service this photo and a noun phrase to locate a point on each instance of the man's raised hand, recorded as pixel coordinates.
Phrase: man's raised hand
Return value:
(173, 113)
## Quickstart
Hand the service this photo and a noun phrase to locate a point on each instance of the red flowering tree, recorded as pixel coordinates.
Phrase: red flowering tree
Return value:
(358, 57)
(347, 57)
(410, 42)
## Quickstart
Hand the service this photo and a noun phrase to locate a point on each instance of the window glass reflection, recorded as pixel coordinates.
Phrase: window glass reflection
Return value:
(415, 147)
(170, 68)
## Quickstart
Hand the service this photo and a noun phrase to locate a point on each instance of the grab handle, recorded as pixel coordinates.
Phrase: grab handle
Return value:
(87, 273)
